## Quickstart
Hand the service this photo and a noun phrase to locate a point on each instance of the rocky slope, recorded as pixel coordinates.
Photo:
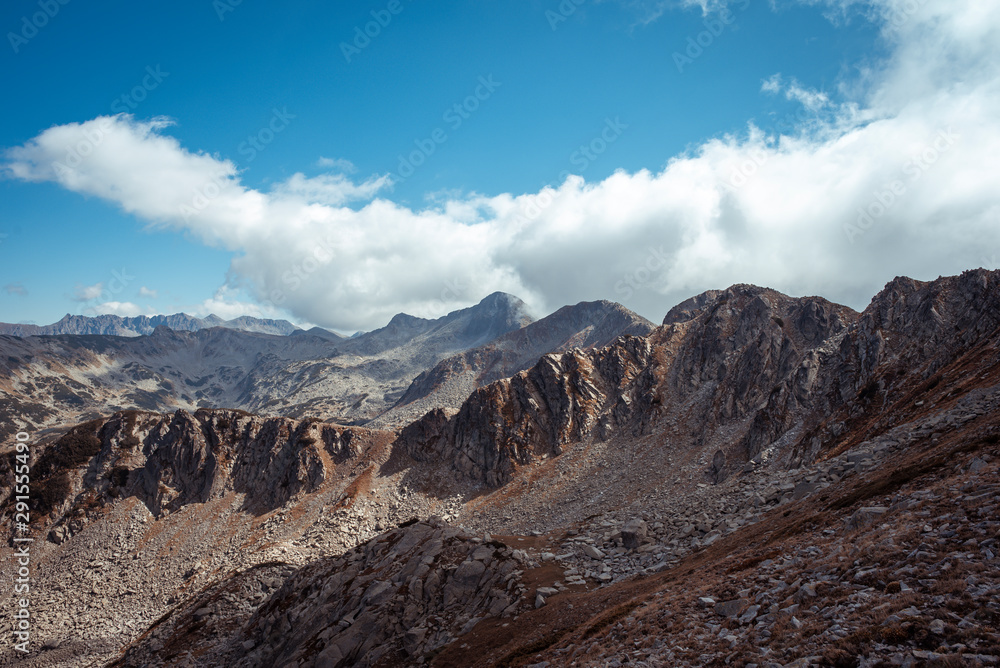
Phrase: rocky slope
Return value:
(135, 513)
(741, 349)
(746, 372)
(889, 561)
(404, 594)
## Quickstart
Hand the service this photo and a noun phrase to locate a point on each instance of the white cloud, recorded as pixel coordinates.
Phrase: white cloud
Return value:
(772, 84)
(16, 289)
(340, 164)
(227, 304)
(781, 211)
(86, 293)
(649, 11)
(330, 189)
(149, 294)
(123, 309)
(812, 100)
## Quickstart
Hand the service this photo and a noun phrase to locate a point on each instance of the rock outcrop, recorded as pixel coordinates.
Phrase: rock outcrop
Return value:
(562, 399)
(730, 353)
(395, 598)
(170, 461)
(763, 374)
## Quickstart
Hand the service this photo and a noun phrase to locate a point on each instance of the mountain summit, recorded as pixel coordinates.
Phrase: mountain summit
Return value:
(494, 316)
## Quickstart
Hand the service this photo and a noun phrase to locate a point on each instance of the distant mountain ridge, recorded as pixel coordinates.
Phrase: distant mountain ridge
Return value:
(144, 325)
(315, 372)
(446, 385)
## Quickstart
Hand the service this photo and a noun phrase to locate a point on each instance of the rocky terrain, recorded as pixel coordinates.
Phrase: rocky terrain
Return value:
(760, 481)
(406, 593)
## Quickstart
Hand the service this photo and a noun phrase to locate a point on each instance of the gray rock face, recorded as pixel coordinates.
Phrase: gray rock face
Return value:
(171, 461)
(494, 316)
(739, 345)
(562, 399)
(763, 369)
(392, 599)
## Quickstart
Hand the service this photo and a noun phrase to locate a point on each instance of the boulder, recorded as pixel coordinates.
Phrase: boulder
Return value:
(732, 609)
(633, 533)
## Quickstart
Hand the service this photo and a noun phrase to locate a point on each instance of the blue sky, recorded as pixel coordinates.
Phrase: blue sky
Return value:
(200, 80)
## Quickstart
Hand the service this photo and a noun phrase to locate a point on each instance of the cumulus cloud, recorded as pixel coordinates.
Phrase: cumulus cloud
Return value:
(149, 294)
(900, 178)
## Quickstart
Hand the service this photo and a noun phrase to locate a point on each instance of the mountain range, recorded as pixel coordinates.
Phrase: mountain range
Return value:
(143, 325)
(57, 380)
(760, 480)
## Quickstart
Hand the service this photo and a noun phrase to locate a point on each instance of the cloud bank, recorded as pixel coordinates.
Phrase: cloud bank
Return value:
(900, 179)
